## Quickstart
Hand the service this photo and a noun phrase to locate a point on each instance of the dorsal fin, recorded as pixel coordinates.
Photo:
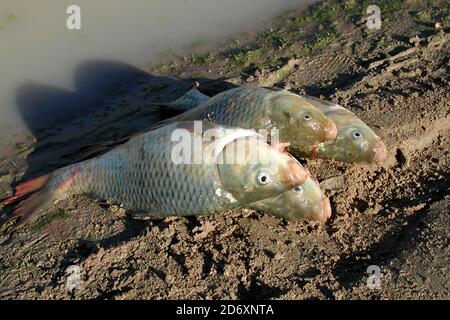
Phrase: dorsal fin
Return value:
(191, 99)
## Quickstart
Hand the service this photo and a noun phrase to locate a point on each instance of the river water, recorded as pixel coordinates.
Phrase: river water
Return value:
(39, 54)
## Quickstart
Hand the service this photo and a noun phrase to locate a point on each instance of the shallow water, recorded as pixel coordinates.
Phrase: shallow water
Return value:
(40, 56)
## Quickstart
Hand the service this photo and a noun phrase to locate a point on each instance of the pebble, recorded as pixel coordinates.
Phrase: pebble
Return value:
(334, 183)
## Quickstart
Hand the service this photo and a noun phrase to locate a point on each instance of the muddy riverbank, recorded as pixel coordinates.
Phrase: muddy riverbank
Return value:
(394, 216)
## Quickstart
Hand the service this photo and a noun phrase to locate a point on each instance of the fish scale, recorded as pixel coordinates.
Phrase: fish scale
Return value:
(236, 110)
(297, 120)
(142, 176)
(122, 175)
(365, 147)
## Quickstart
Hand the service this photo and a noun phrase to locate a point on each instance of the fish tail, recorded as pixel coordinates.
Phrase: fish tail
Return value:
(40, 192)
(32, 195)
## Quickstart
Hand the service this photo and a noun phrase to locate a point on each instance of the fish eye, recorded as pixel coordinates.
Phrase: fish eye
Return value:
(298, 189)
(307, 117)
(263, 178)
(357, 134)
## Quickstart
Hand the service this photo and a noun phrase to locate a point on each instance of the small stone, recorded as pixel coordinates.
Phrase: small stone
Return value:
(334, 183)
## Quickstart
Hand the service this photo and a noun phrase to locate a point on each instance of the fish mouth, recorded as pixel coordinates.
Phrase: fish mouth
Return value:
(326, 210)
(379, 152)
(296, 174)
(321, 211)
(330, 130)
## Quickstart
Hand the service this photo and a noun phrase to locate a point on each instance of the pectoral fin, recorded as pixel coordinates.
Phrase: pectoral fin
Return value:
(143, 215)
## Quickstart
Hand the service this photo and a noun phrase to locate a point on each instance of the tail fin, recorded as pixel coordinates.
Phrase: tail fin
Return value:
(32, 195)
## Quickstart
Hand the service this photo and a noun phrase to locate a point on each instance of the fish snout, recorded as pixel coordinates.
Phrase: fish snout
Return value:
(379, 151)
(330, 130)
(297, 174)
(326, 209)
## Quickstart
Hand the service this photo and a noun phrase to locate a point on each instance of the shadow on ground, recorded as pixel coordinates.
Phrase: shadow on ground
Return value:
(111, 100)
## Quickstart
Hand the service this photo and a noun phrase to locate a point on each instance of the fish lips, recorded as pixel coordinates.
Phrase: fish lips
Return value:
(296, 174)
(321, 211)
(326, 210)
(379, 152)
(330, 131)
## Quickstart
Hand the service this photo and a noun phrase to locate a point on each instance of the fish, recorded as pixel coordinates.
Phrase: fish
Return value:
(298, 121)
(159, 173)
(355, 141)
(306, 201)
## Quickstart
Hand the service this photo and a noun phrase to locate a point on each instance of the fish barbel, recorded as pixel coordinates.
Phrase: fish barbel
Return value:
(145, 175)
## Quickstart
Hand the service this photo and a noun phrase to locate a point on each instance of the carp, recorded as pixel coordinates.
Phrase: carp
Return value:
(147, 175)
(355, 141)
(306, 201)
(298, 121)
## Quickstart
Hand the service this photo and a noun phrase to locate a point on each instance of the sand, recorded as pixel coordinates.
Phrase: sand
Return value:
(394, 216)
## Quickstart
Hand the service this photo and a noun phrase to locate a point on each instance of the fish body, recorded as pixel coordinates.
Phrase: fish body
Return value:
(297, 120)
(355, 141)
(145, 175)
(306, 201)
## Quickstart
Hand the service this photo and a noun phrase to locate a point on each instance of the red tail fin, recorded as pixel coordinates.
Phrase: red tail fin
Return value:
(31, 194)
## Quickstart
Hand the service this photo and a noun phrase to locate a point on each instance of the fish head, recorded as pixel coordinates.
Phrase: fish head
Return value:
(300, 122)
(251, 169)
(305, 201)
(355, 142)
